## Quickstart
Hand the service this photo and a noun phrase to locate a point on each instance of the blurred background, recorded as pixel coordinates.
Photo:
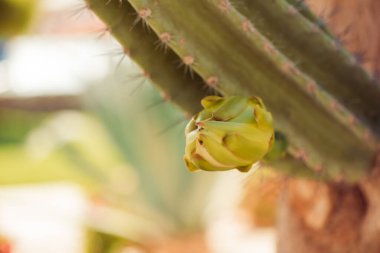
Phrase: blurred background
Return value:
(91, 153)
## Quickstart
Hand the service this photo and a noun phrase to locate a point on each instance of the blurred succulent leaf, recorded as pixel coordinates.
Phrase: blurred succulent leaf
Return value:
(41, 148)
(16, 124)
(148, 132)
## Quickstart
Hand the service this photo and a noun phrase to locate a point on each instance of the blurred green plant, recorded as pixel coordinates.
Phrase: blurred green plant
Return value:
(16, 124)
(35, 148)
(125, 150)
(148, 131)
(15, 16)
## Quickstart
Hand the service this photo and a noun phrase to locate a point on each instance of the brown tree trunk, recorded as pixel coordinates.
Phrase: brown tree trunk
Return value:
(330, 218)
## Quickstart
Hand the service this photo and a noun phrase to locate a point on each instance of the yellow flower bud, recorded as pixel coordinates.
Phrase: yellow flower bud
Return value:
(229, 133)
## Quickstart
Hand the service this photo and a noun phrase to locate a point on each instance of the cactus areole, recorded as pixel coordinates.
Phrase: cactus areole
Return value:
(229, 133)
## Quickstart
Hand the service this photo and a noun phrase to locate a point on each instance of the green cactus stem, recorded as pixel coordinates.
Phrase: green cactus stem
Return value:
(317, 54)
(321, 100)
(309, 15)
(152, 54)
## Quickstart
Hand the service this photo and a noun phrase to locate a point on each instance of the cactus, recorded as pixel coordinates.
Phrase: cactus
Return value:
(322, 101)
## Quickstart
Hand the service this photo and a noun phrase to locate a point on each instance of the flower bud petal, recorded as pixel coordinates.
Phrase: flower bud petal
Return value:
(221, 153)
(230, 133)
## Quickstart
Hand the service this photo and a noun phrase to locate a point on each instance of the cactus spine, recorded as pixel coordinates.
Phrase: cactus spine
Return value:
(321, 100)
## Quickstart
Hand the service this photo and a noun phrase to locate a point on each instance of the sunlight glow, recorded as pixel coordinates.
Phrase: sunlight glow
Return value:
(54, 65)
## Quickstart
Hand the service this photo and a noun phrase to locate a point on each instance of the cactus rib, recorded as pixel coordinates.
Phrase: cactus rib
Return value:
(318, 54)
(142, 46)
(303, 9)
